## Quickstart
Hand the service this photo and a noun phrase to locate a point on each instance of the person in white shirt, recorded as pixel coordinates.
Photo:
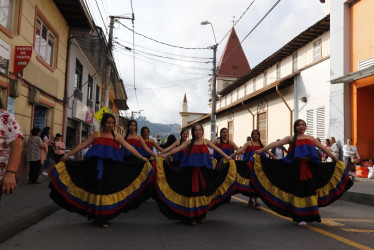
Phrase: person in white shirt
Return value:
(348, 151)
(334, 148)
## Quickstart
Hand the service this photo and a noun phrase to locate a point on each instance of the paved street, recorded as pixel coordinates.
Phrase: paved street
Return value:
(346, 225)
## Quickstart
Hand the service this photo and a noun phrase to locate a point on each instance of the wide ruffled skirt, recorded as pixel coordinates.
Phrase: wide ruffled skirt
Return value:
(243, 182)
(188, 193)
(281, 188)
(78, 186)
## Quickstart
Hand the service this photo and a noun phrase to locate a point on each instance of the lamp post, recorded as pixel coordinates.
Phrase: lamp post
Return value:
(214, 79)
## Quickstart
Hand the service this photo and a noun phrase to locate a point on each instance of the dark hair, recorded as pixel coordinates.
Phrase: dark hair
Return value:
(328, 141)
(128, 128)
(45, 132)
(35, 131)
(170, 140)
(142, 130)
(293, 145)
(104, 119)
(193, 136)
(220, 134)
(180, 140)
(259, 139)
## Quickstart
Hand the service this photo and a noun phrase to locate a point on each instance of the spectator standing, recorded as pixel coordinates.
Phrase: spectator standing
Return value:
(10, 151)
(325, 157)
(51, 150)
(34, 155)
(279, 151)
(60, 148)
(334, 147)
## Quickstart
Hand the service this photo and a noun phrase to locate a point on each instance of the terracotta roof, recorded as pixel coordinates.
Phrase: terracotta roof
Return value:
(299, 41)
(233, 61)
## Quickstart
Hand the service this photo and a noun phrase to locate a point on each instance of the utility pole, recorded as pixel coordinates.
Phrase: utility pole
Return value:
(109, 63)
(214, 79)
(110, 57)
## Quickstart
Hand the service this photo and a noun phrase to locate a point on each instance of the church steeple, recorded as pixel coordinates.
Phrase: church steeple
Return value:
(184, 112)
(233, 62)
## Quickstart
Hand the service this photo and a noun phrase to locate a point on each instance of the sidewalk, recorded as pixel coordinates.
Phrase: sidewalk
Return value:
(31, 203)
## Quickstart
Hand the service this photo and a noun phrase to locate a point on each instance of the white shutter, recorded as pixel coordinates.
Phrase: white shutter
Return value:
(309, 122)
(321, 123)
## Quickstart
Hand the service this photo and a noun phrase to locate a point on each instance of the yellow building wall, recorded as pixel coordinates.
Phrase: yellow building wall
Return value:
(36, 73)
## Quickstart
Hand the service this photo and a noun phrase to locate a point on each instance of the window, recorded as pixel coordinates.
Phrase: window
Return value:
(97, 99)
(6, 13)
(317, 50)
(265, 78)
(261, 125)
(90, 87)
(309, 122)
(254, 84)
(294, 62)
(321, 124)
(278, 71)
(78, 75)
(45, 41)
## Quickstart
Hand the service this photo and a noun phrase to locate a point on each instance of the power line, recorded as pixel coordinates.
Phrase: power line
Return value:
(182, 56)
(166, 57)
(163, 43)
(237, 21)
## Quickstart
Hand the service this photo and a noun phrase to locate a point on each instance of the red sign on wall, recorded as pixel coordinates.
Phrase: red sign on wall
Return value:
(22, 57)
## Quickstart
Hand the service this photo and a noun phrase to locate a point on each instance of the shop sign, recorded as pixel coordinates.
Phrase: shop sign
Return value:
(99, 114)
(82, 112)
(4, 57)
(22, 56)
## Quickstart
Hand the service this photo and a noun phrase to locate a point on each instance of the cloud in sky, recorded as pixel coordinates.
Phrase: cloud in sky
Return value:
(161, 83)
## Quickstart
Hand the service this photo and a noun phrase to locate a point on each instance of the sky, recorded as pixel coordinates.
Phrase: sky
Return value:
(171, 56)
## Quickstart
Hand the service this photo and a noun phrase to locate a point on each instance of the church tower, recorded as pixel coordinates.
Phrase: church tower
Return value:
(184, 112)
(233, 62)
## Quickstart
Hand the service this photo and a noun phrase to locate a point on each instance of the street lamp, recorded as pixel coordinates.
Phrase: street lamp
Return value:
(214, 79)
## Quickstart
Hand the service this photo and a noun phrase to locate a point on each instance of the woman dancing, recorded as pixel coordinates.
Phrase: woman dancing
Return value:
(243, 181)
(175, 158)
(101, 186)
(136, 141)
(188, 191)
(299, 183)
(224, 144)
(150, 143)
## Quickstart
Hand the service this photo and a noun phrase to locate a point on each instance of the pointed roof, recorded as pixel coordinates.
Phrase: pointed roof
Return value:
(233, 61)
(185, 98)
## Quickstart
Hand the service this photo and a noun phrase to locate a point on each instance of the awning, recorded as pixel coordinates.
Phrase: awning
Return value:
(353, 76)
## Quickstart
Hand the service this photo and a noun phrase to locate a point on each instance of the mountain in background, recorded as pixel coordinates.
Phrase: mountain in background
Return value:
(158, 129)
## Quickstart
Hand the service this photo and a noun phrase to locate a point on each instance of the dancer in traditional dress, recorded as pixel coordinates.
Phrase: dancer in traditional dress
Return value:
(298, 184)
(175, 158)
(188, 191)
(101, 186)
(224, 144)
(243, 181)
(150, 143)
(136, 141)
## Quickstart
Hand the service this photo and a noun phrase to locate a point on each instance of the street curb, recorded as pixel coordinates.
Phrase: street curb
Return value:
(23, 220)
(367, 199)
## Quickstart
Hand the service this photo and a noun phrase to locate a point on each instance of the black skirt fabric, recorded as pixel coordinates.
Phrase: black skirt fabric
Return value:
(188, 193)
(78, 187)
(281, 188)
(243, 182)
